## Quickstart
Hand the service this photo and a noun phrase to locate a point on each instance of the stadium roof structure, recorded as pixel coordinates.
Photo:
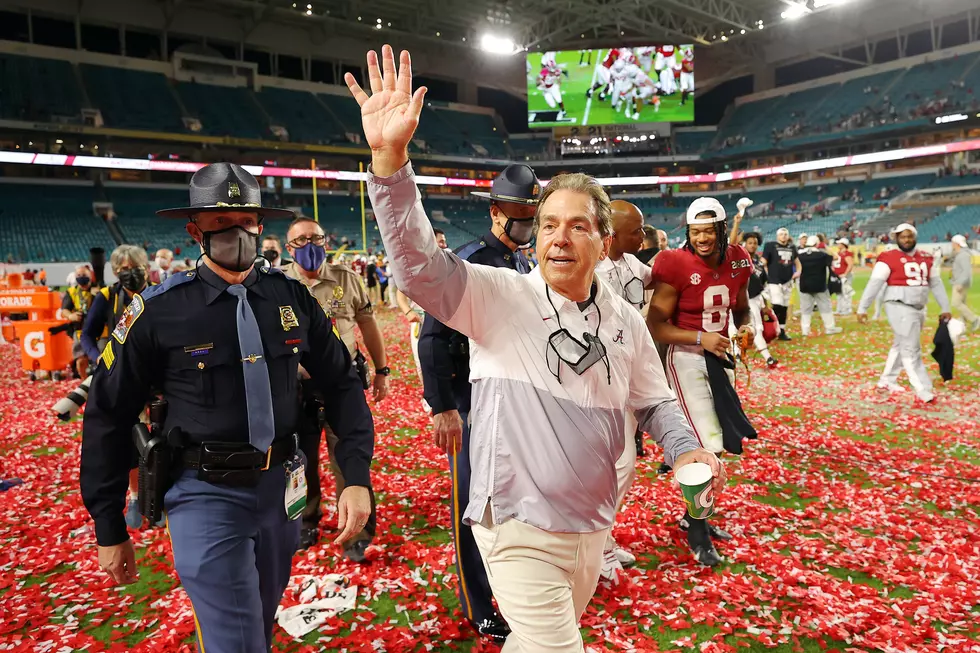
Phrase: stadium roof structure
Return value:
(737, 36)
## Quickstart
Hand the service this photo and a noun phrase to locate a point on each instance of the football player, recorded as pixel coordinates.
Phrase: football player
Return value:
(907, 276)
(629, 278)
(645, 55)
(664, 65)
(782, 262)
(844, 268)
(815, 264)
(695, 288)
(687, 73)
(549, 83)
(620, 84)
(645, 90)
(603, 75)
(757, 282)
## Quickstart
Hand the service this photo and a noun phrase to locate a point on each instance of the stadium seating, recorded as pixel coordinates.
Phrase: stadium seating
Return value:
(692, 142)
(38, 89)
(121, 95)
(225, 111)
(303, 116)
(530, 149)
(478, 129)
(37, 224)
(959, 220)
(136, 217)
(880, 102)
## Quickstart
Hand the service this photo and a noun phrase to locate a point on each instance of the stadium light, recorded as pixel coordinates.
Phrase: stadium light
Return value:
(724, 37)
(817, 4)
(498, 44)
(794, 12)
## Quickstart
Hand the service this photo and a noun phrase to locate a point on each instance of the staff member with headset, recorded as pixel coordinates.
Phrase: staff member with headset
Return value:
(549, 404)
(444, 357)
(223, 345)
(343, 298)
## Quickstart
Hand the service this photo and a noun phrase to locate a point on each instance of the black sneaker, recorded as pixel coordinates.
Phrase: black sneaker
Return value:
(309, 537)
(494, 628)
(771, 362)
(784, 337)
(357, 551)
(664, 468)
(714, 532)
(704, 551)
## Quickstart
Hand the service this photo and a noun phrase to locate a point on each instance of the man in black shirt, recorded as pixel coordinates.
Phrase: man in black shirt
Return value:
(782, 264)
(757, 283)
(815, 265)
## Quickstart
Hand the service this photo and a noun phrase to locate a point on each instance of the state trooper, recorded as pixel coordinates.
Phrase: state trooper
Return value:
(444, 358)
(222, 344)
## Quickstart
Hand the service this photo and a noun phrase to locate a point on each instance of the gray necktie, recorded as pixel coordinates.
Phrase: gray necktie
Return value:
(258, 390)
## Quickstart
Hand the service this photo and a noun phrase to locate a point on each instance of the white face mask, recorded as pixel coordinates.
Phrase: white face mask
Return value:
(162, 263)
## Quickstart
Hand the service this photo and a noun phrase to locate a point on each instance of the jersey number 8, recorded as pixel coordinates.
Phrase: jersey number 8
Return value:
(916, 274)
(716, 304)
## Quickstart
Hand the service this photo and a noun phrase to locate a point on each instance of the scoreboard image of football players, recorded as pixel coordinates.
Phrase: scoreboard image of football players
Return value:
(621, 85)
(687, 73)
(697, 288)
(664, 65)
(603, 75)
(905, 276)
(645, 91)
(549, 82)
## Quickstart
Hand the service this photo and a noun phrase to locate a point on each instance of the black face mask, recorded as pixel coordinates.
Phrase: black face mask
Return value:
(133, 279)
(83, 281)
(270, 255)
(578, 355)
(233, 248)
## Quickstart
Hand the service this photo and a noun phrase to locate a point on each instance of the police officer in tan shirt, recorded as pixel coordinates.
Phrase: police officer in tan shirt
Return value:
(344, 299)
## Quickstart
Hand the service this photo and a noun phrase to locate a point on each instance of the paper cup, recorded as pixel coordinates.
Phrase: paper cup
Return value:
(695, 481)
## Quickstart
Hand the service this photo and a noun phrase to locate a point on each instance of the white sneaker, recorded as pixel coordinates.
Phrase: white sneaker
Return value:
(890, 387)
(834, 331)
(611, 566)
(626, 559)
(926, 397)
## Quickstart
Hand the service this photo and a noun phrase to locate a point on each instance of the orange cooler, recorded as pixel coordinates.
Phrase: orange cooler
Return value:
(40, 350)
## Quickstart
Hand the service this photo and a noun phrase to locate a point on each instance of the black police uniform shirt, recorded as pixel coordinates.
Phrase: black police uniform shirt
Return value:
(780, 261)
(814, 270)
(758, 280)
(445, 373)
(181, 338)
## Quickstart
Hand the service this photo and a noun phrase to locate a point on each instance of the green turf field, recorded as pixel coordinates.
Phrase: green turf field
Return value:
(580, 110)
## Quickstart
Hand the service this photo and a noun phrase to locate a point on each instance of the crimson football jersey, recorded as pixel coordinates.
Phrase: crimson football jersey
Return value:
(704, 296)
(611, 58)
(907, 269)
(687, 65)
(840, 263)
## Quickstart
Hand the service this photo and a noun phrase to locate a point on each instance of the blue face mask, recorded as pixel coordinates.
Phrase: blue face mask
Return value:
(310, 257)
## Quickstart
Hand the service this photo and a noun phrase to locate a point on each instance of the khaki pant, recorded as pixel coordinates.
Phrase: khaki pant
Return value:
(958, 302)
(542, 582)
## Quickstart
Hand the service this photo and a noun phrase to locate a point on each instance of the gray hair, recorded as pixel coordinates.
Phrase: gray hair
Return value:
(581, 183)
(135, 255)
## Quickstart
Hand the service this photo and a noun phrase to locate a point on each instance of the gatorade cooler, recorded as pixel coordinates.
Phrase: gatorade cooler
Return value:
(39, 350)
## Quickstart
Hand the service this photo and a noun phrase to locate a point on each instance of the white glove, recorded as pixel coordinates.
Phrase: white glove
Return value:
(743, 204)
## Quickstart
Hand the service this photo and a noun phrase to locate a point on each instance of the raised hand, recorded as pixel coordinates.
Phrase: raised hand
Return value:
(391, 113)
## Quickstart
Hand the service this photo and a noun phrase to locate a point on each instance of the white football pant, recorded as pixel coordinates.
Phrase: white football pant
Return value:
(756, 304)
(687, 375)
(552, 95)
(906, 351)
(822, 301)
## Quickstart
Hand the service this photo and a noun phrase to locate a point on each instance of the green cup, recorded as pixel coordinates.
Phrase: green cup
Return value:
(695, 481)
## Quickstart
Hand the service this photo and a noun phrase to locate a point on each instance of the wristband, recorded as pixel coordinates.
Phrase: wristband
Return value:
(699, 338)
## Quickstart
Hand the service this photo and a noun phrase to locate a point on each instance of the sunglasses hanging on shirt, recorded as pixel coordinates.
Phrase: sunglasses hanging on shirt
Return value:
(633, 290)
(563, 347)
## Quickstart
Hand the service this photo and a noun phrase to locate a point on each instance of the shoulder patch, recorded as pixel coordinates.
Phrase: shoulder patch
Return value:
(128, 319)
(171, 282)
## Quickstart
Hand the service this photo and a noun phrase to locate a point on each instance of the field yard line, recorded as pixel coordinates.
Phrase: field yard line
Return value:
(588, 102)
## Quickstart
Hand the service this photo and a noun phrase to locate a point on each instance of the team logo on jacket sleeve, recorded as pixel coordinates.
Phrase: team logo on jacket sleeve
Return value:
(128, 319)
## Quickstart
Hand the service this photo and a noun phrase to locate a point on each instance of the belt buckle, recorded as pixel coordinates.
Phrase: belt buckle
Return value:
(268, 458)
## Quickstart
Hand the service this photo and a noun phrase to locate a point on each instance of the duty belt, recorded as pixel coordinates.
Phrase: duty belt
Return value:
(236, 463)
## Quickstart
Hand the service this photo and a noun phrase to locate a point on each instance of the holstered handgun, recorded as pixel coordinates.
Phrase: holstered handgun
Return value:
(360, 364)
(156, 456)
